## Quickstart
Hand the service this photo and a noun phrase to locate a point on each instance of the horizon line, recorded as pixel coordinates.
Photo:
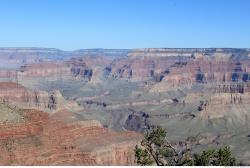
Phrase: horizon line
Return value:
(100, 48)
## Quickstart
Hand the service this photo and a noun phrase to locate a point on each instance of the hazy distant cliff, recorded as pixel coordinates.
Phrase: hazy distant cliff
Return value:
(14, 57)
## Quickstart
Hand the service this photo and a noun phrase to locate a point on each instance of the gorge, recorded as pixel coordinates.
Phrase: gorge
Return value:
(91, 106)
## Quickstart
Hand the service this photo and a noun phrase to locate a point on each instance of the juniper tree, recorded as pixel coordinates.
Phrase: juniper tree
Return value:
(155, 149)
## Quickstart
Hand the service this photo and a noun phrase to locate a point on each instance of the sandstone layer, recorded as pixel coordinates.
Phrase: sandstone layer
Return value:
(22, 97)
(42, 140)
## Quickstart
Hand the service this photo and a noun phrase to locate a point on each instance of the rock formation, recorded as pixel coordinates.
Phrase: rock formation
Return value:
(42, 140)
(183, 66)
(44, 69)
(81, 68)
(189, 92)
(137, 121)
(22, 97)
(16, 57)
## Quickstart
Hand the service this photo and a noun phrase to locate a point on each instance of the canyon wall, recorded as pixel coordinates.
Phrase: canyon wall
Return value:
(173, 65)
(183, 65)
(22, 97)
(15, 57)
(42, 140)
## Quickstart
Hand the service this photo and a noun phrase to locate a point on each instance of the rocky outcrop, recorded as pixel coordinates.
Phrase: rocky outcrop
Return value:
(16, 57)
(190, 52)
(232, 88)
(205, 70)
(233, 106)
(173, 66)
(11, 74)
(83, 68)
(100, 52)
(42, 140)
(163, 52)
(45, 69)
(181, 115)
(79, 68)
(8, 75)
(183, 66)
(137, 121)
(140, 68)
(22, 97)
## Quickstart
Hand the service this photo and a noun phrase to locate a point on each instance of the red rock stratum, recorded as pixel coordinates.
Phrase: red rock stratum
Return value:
(42, 140)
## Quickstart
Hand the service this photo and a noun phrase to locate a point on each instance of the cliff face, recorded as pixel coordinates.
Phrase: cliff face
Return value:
(8, 75)
(42, 140)
(22, 97)
(100, 52)
(232, 107)
(45, 69)
(183, 65)
(141, 68)
(51, 70)
(15, 57)
(205, 70)
(83, 68)
(228, 101)
(213, 69)
(175, 66)
(163, 52)
(189, 52)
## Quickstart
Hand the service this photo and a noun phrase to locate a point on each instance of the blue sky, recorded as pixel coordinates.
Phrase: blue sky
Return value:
(75, 24)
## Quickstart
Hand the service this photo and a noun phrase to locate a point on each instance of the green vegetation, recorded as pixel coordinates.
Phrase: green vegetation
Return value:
(156, 150)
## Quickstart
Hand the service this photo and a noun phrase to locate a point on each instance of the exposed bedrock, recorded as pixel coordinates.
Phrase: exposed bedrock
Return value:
(232, 107)
(172, 66)
(22, 97)
(45, 69)
(89, 68)
(205, 71)
(183, 66)
(232, 87)
(137, 121)
(141, 68)
(190, 52)
(15, 57)
(42, 140)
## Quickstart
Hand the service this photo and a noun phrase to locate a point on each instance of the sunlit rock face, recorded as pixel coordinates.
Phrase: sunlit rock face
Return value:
(141, 68)
(44, 140)
(22, 97)
(178, 65)
(183, 65)
(78, 67)
(45, 69)
(208, 70)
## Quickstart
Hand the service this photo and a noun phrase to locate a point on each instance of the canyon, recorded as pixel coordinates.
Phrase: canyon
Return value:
(92, 106)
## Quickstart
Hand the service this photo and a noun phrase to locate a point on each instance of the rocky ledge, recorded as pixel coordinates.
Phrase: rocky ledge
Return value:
(20, 96)
(44, 140)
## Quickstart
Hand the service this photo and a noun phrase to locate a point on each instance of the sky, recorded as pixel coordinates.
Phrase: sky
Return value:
(79, 24)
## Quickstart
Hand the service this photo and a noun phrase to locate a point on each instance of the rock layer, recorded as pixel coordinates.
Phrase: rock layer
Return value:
(22, 97)
(41, 140)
